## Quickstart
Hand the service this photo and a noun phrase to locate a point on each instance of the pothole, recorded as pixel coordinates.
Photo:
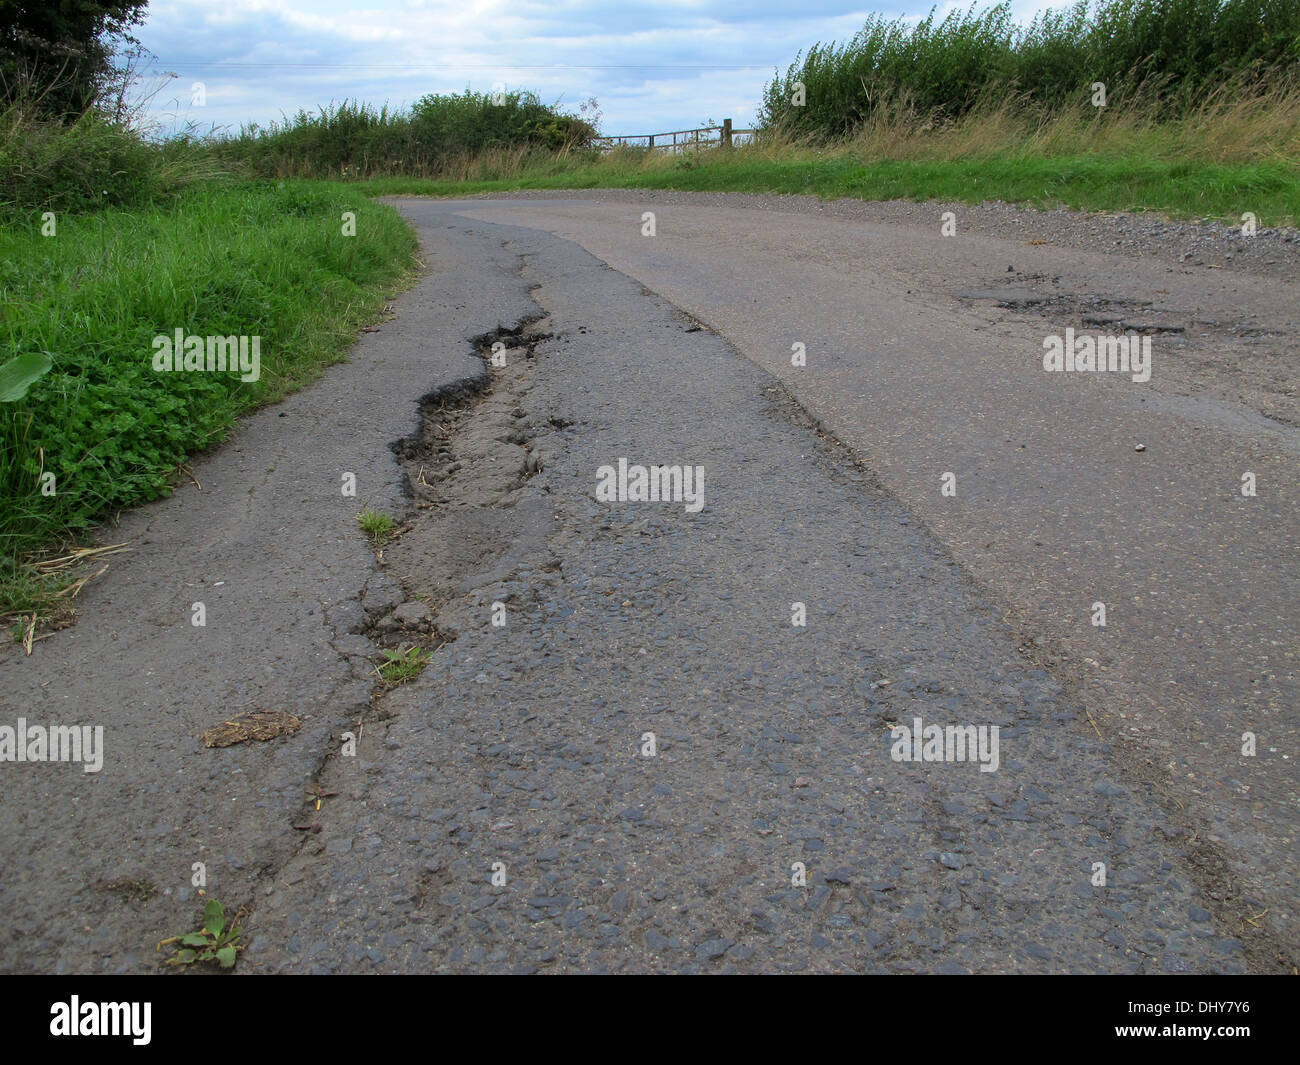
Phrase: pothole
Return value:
(465, 473)
(470, 525)
(1042, 294)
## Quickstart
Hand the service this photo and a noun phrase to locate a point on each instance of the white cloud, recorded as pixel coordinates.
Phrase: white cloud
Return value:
(653, 64)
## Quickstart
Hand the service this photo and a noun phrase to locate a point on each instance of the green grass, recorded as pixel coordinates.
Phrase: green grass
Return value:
(400, 667)
(248, 259)
(377, 526)
(1092, 183)
(354, 139)
(1171, 53)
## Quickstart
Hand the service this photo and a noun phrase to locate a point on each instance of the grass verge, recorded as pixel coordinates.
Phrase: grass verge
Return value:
(1237, 151)
(220, 259)
(1090, 183)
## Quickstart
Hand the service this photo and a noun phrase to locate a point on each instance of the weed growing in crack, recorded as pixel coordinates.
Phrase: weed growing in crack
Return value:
(402, 666)
(217, 941)
(130, 889)
(377, 526)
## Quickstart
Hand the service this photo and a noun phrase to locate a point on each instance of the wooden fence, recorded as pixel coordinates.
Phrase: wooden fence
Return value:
(689, 138)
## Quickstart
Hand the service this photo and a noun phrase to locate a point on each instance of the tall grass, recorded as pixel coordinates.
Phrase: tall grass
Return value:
(1235, 151)
(438, 133)
(1166, 53)
(1236, 123)
(90, 162)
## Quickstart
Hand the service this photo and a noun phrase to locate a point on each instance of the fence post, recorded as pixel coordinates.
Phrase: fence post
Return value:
(652, 140)
(726, 133)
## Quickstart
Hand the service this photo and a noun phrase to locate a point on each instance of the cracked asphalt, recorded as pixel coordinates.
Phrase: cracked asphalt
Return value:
(503, 813)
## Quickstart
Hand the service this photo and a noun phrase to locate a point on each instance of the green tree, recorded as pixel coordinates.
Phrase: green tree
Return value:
(58, 53)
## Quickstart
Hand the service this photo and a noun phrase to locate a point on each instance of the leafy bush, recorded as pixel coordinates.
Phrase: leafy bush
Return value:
(358, 140)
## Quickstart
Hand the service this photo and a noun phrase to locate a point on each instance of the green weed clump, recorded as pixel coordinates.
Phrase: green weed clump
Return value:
(215, 943)
(377, 526)
(403, 666)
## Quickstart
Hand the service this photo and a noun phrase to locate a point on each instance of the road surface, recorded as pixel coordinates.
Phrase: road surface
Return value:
(663, 735)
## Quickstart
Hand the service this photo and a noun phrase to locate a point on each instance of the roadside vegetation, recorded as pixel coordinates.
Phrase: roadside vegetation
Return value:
(109, 238)
(1198, 115)
(1235, 152)
(1159, 57)
(219, 259)
(437, 135)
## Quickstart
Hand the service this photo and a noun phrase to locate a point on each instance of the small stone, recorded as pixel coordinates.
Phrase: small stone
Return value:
(712, 949)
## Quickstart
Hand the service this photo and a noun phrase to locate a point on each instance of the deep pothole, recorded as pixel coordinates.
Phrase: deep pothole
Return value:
(465, 470)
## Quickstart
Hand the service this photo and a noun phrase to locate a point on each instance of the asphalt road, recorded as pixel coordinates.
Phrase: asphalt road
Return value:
(502, 812)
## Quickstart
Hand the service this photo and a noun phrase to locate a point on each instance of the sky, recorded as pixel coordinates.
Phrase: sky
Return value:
(653, 65)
